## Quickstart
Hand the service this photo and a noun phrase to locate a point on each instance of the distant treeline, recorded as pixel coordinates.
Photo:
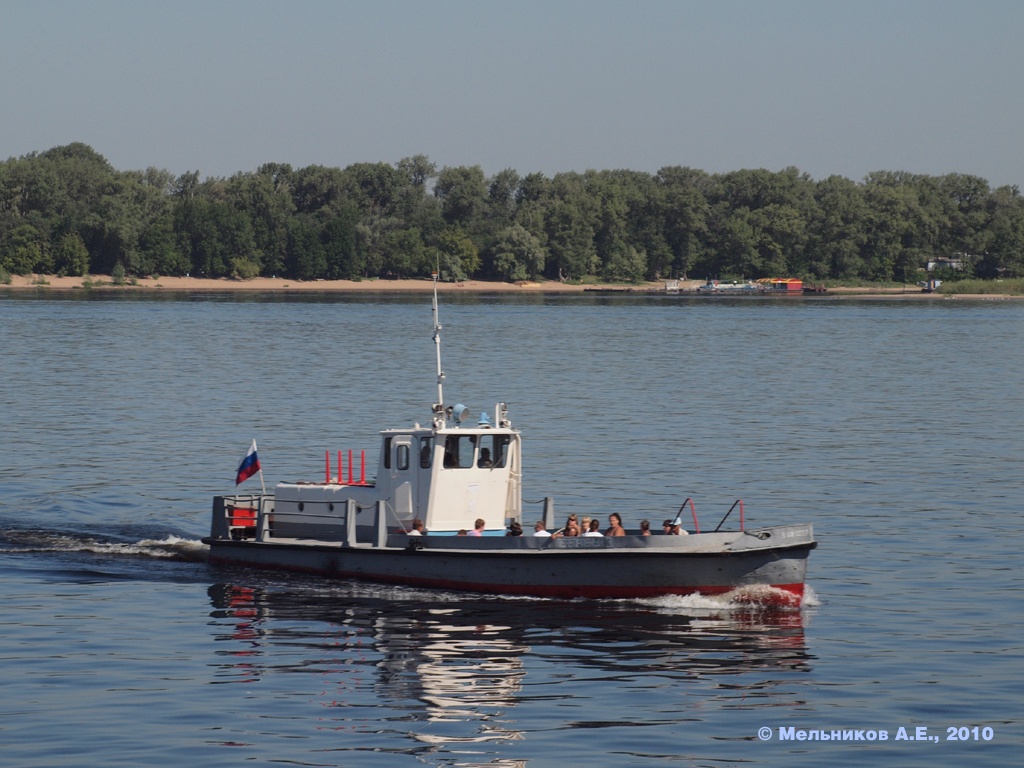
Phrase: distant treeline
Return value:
(67, 211)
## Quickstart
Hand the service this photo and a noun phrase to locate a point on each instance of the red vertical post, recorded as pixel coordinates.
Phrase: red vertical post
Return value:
(327, 470)
(350, 466)
(340, 480)
(362, 467)
(696, 525)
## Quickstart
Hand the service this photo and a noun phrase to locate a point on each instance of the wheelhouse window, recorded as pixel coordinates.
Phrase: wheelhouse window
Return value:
(402, 456)
(498, 448)
(426, 451)
(484, 451)
(459, 451)
(387, 453)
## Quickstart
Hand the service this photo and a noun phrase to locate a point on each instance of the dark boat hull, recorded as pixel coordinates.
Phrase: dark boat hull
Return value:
(768, 565)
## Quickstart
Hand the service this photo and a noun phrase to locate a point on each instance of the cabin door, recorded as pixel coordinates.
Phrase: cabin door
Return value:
(403, 476)
(424, 462)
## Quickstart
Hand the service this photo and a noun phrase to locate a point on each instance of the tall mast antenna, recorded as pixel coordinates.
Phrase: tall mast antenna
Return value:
(439, 416)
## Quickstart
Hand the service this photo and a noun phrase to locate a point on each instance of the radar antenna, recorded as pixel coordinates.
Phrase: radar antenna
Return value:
(439, 415)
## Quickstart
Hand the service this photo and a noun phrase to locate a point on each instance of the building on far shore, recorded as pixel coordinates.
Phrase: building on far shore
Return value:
(941, 262)
(782, 284)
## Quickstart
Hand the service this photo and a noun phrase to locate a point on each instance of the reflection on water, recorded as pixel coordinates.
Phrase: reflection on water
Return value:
(458, 669)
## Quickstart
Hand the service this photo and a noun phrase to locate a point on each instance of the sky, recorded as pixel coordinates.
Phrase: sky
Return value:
(224, 86)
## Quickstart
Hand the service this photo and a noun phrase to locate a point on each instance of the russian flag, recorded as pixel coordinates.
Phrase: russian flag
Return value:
(250, 465)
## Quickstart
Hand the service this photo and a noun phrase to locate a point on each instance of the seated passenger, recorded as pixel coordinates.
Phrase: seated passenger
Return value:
(561, 531)
(595, 528)
(539, 529)
(478, 527)
(571, 529)
(514, 529)
(615, 525)
(645, 527)
(674, 528)
(417, 528)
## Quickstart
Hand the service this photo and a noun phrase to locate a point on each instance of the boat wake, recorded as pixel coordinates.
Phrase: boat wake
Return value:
(740, 599)
(171, 547)
(811, 599)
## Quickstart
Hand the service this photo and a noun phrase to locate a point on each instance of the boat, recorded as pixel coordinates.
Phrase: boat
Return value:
(410, 525)
(730, 287)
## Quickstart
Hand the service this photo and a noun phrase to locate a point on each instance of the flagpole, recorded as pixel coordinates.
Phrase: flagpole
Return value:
(263, 488)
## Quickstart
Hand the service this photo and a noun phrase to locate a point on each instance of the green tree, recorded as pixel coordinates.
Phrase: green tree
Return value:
(460, 258)
(837, 232)
(22, 251)
(243, 268)
(532, 199)
(518, 255)
(417, 170)
(969, 213)
(403, 219)
(463, 195)
(404, 254)
(340, 249)
(899, 234)
(152, 208)
(306, 259)
(570, 222)
(737, 246)
(501, 198)
(684, 211)
(265, 198)
(621, 221)
(70, 256)
(624, 264)
(1004, 256)
(213, 233)
(319, 191)
(374, 188)
(781, 233)
(158, 250)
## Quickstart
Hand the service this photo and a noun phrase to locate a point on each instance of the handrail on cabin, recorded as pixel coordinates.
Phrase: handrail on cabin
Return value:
(738, 501)
(693, 509)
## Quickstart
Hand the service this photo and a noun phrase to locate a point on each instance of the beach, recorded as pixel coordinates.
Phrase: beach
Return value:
(265, 284)
(280, 284)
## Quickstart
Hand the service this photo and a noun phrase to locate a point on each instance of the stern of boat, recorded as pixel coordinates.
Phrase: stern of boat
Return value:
(241, 516)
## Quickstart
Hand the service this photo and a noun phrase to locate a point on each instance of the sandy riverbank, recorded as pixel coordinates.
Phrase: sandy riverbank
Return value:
(275, 284)
(265, 284)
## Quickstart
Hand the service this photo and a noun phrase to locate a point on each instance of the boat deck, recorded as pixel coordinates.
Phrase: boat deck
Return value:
(722, 542)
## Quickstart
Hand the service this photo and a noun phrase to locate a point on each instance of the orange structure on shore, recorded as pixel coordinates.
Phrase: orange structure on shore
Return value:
(784, 284)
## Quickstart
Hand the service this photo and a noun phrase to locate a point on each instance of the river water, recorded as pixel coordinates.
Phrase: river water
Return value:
(895, 427)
